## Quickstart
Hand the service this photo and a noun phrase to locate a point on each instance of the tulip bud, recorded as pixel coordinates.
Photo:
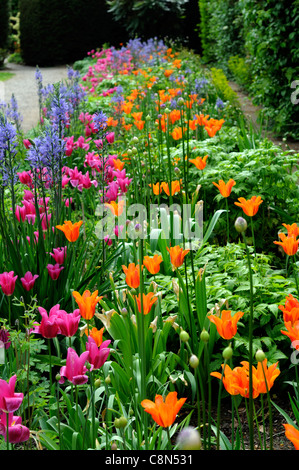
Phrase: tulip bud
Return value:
(124, 312)
(97, 383)
(189, 439)
(260, 355)
(122, 422)
(184, 337)
(193, 361)
(227, 353)
(135, 139)
(107, 380)
(240, 224)
(113, 446)
(204, 336)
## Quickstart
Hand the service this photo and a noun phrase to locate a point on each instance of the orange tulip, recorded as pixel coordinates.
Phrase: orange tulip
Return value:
(87, 303)
(164, 412)
(174, 115)
(177, 255)
(157, 188)
(118, 164)
(132, 273)
(148, 300)
(177, 133)
(70, 230)
(139, 124)
(167, 73)
(292, 332)
(199, 162)
(288, 243)
(293, 230)
(258, 377)
(251, 206)
(226, 324)
(290, 309)
(137, 116)
(153, 264)
(96, 334)
(292, 434)
(116, 208)
(236, 381)
(201, 119)
(175, 187)
(225, 188)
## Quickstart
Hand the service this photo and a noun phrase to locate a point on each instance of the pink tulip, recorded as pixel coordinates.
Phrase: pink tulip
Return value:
(8, 282)
(54, 271)
(75, 369)
(20, 213)
(48, 327)
(68, 322)
(16, 431)
(110, 137)
(9, 400)
(27, 143)
(97, 355)
(4, 337)
(59, 255)
(28, 280)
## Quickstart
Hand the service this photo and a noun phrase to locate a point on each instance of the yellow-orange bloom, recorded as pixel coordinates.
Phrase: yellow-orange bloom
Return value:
(132, 273)
(258, 377)
(251, 206)
(236, 381)
(96, 334)
(70, 230)
(293, 230)
(292, 434)
(226, 324)
(225, 188)
(292, 332)
(157, 188)
(164, 412)
(290, 309)
(199, 162)
(168, 72)
(177, 255)
(87, 303)
(118, 164)
(148, 300)
(175, 187)
(116, 208)
(153, 264)
(288, 243)
(177, 133)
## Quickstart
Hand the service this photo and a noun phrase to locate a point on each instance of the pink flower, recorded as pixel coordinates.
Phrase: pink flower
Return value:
(8, 282)
(27, 143)
(25, 178)
(48, 327)
(75, 369)
(20, 213)
(28, 280)
(68, 322)
(110, 137)
(59, 255)
(4, 337)
(54, 271)
(97, 355)
(9, 400)
(16, 431)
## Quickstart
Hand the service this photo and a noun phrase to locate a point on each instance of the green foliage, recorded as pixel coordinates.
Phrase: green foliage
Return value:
(240, 70)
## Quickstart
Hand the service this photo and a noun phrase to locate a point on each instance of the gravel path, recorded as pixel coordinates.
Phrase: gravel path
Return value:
(24, 87)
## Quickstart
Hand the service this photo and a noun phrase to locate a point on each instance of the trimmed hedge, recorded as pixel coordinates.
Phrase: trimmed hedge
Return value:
(55, 32)
(256, 42)
(4, 23)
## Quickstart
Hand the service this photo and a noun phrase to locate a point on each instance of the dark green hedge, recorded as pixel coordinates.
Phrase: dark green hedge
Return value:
(57, 32)
(257, 41)
(4, 28)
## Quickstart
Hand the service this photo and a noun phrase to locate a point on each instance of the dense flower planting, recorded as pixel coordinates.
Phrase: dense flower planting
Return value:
(144, 273)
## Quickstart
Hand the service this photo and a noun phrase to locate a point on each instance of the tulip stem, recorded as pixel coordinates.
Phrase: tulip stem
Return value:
(50, 363)
(7, 431)
(250, 339)
(219, 405)
(295, 274)
(270, 409)
(253, 239)
(227, 220)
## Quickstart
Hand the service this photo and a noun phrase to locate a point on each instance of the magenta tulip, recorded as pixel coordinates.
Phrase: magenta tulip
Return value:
(4, 337)
(8, 282)
(16, 431)
(68, 323)
(48, 327)
(75, 368)
(59, 255)
(97, 355)
(9, 400)
(28, 280)
(54, 271)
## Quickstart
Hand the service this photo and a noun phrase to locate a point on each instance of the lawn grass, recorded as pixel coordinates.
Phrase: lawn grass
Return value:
(5, 76)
